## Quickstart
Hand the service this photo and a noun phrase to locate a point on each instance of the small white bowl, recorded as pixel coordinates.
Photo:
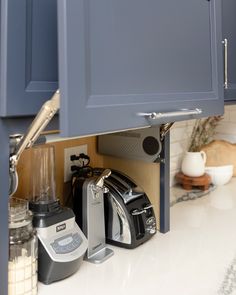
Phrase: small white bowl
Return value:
(220, 175)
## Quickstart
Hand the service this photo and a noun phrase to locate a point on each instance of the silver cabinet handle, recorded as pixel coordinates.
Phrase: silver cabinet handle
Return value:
(225, 42)
(183, 112)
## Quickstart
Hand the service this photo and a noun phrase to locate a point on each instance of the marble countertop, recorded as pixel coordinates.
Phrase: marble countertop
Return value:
(197, 256)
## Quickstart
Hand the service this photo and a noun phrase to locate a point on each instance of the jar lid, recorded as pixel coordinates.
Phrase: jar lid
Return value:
(18, 212)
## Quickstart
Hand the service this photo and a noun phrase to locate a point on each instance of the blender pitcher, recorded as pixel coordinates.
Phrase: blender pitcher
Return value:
(43, 175)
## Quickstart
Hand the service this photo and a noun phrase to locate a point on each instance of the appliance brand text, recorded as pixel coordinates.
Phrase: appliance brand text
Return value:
(61, 227)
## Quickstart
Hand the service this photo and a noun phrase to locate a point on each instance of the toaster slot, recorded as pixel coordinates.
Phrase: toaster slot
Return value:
(124, 179)
(138, 223)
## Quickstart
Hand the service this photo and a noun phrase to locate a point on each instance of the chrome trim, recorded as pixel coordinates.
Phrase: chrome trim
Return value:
(124, 234)
(225, 42)
(138, 212)
(148, 207)
(99, 182)
(164, 129)
(183, 112)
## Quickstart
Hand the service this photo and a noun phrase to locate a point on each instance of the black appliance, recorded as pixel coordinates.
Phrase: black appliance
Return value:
(129, 215)
(62, 244)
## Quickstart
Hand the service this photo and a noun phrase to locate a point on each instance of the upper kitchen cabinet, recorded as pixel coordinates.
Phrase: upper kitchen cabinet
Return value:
(121, 60)
(229, 40)
(28, 49)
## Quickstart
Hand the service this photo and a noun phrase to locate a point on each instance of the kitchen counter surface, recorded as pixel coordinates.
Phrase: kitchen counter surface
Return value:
(197, 256)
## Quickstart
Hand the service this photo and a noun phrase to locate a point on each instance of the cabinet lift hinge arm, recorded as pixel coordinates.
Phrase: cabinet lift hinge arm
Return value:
(44, 116)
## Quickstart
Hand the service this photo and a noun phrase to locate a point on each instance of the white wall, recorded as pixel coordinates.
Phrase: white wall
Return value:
(181, 132)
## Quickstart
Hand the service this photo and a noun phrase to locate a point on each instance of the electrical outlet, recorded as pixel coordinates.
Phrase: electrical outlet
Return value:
(68, 152)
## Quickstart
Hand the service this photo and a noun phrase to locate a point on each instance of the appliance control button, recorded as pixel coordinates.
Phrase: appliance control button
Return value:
(62, 250)
(150, 220)
(152, 231)
(58, 249)
(77, 237)
(75, 244)
(54, 245)
(70, 248)
(78, 242)
(65, 241)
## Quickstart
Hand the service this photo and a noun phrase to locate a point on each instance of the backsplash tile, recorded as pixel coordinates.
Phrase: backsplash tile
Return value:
(180, 135)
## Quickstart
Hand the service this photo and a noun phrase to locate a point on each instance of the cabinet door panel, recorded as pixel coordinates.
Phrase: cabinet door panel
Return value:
(123, 41)
(121, 57)
(28, 55)
(229, 32)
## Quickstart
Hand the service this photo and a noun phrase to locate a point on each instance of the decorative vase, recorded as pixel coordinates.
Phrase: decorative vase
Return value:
(193, 164)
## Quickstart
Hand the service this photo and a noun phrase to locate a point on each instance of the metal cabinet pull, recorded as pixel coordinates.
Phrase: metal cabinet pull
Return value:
(225, 42)
(183, 112)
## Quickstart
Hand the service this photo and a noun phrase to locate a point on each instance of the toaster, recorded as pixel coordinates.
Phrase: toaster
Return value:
(129, 216)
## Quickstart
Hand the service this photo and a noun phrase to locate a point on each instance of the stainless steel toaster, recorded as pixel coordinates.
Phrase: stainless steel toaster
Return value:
(129, 215)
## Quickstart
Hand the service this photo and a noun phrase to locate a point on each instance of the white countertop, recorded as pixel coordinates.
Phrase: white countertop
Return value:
(192, 259)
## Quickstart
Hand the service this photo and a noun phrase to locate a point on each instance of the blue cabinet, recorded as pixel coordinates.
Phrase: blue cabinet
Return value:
(28, 65)
(120, 58)
(117, 59)
(229, 33)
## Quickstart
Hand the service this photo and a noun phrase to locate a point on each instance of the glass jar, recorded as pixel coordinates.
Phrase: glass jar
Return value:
(23, 250)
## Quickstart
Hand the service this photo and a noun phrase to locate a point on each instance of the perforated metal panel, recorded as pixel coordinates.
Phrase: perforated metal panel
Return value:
(141, 144)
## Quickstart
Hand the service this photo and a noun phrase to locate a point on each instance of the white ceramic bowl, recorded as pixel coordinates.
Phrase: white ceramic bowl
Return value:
(220, 175)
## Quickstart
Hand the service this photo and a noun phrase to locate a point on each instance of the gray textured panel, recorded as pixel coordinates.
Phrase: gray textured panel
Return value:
(28, 55)
(130, 144)
(229, 32)
(119, 57)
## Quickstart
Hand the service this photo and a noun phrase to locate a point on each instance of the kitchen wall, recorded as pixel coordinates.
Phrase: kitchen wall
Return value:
(181, 132)
(62, 190)
(146, 175)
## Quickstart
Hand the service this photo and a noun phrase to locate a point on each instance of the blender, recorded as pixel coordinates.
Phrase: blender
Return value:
(62, 244)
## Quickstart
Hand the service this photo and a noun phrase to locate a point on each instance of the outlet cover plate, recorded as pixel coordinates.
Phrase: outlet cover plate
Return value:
(75, 150)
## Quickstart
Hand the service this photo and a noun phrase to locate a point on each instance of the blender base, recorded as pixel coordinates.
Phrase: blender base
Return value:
(62, 244)
(50, 271)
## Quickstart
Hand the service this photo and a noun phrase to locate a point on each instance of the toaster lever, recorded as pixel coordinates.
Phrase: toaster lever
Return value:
(138, 212)
(148, 207)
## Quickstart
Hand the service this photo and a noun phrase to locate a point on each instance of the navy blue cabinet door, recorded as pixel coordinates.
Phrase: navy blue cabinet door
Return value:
(28, 55)
(119, 58)
(229, 33)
